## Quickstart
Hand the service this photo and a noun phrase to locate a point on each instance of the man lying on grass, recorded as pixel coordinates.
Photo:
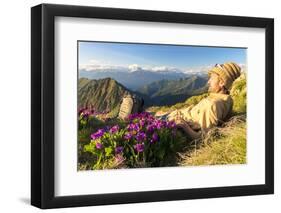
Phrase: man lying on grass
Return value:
(212, 110)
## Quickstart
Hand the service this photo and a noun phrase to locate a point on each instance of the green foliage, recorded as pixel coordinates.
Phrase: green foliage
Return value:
(85, 122)
(89, 125)
(239, 95)
(105, 156)
(85, 160)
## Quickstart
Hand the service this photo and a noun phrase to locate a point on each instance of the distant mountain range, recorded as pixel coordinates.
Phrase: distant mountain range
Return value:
(167, 92)
(135, 79)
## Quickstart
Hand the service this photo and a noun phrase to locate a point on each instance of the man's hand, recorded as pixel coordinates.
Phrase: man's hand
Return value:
(180, 123)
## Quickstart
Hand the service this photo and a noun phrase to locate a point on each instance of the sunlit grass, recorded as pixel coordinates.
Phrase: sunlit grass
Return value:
(222, 145)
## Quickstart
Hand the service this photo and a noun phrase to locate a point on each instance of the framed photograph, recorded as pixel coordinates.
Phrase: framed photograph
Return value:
(139, 106)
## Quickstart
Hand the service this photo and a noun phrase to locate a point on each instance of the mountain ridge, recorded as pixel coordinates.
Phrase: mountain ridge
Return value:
(103, 94)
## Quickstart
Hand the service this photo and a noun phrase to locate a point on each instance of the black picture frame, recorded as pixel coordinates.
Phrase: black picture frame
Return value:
(43, 102)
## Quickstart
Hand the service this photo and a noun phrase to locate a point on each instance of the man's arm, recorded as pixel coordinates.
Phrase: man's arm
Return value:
(185, 126)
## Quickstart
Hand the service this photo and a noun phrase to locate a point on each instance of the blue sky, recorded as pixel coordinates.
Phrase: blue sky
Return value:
(182, 57)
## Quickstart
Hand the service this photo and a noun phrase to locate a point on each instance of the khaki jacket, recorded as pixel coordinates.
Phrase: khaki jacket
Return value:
(209, 112)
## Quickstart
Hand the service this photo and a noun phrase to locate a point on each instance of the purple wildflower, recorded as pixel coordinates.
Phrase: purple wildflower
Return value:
(107, 128)
(158, 124)
(133, 126)
(145, 115)
(164, 124)
(80, 110)
(98, 145)
(132, 116)
(128, 136)
(85, 114)
(97, 134)
(171, 124)
(142, 122)
(141, 136)
(139, 147)
(118, 149)
(114, 129)
(154, 137)
(150, 127)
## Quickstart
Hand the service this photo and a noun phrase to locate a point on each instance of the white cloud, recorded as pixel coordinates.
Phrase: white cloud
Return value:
(95, 65)
(134, 67)
(165, 69)
(198, 70)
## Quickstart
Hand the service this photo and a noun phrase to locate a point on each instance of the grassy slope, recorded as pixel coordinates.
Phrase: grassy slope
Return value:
(226, 145)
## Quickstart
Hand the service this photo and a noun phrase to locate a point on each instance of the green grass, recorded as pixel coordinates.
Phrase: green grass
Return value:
(222, 145)
(239, 95)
